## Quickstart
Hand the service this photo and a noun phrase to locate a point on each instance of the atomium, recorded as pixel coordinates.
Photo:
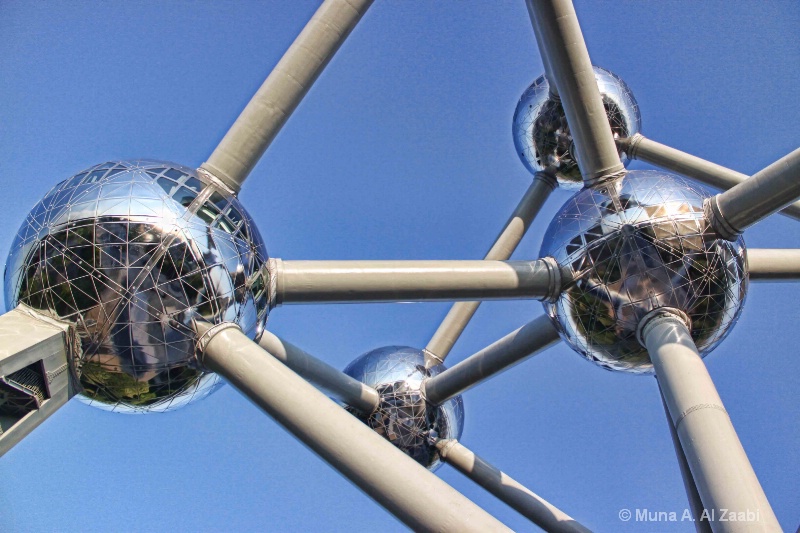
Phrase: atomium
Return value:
(635, 244)
(404, 417)
(130, 252)
(541, 134)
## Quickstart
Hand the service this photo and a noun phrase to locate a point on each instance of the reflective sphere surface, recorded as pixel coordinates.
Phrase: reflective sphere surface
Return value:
(130, 252)
(635, 244)
(541, 134)
(403, 416)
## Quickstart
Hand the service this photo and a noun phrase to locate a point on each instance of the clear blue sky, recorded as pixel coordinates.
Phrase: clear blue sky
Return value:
(402, 149)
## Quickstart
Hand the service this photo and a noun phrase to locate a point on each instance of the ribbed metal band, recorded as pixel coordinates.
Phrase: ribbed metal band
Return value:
(657, 315)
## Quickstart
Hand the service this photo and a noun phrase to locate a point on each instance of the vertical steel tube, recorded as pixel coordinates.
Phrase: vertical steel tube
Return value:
(514, 494)
(773, 264)
(701, 524)
(720, 468)
(517, 225)
(527, 341)
(644, 149)
(333, 381)
(407, 490)
(766, 192)
(287, 84)
(574, 77)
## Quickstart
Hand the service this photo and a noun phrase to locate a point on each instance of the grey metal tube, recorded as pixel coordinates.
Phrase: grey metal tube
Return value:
(287, 84)
(573, 75)
(393, 281)
(530, 339)
(407, 490)
(333, 381)
(514, 494)
(644, 149)
(701, 524)
(766, 192)
(517, 225)
(773, 264)
(719, 465)
(548, 71)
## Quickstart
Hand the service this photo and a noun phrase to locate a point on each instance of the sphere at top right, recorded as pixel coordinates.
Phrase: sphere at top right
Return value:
(541, 133)
(635, 244)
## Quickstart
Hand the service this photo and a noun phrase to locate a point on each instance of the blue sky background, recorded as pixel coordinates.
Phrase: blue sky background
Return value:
(402, 150)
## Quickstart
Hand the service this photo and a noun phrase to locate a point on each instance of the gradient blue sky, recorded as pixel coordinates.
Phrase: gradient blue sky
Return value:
(402, 150)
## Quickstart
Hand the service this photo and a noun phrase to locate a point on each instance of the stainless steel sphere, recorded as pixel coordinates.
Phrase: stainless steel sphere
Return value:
(403, 416)
(635, 244)
(130, 252)
(541, 134)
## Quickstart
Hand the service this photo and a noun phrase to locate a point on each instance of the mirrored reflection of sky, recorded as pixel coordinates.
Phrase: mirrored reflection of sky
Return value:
(403, 149)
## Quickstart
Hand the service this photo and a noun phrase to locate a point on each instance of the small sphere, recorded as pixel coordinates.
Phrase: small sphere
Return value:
(130, 252)
(404, 417)
(635, 244)
(541, 134)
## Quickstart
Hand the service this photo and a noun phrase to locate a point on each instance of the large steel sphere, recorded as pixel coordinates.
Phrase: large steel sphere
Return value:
(635, 244)
(541, 134)
(130, 252)
(403, 416)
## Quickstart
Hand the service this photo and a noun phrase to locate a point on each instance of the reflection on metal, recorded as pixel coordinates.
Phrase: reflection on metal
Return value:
(640, 147)
(542, 136)
(415, 496)
(568, 60)
(404, 416)
(634, 244)
(129, 252)
(720, 468)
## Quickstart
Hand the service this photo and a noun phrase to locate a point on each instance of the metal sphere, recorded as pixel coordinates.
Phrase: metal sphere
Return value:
(541, 134)
(404, 417)
(131, 252)
(635, 244)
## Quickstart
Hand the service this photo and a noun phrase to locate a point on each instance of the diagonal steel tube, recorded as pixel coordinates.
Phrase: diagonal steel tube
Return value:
(548, 71)
(644, 149)
(394, 281)
(701, 524)
(566, 54)
(393, 479)
(287, 84)
(773, 264)
(333, 381)
(768, 191)
(527, 341)
(517, 225)
(514, 494)
(724, 477)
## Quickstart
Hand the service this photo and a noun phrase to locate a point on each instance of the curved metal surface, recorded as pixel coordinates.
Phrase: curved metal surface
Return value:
(130, 252)
(543, 138)
(404, 416)
(635, 244)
